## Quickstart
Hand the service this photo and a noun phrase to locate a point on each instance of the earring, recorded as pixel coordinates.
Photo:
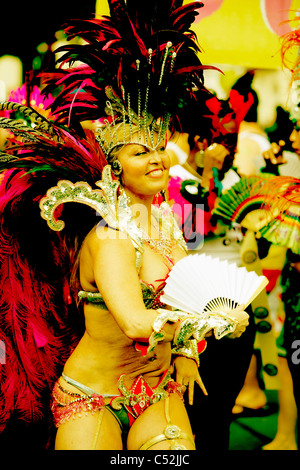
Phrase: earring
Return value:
(160, 197)
(116, 167)
(165, 195)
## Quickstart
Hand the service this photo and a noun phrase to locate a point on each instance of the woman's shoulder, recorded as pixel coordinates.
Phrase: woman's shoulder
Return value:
(103, 233)
(107, 240)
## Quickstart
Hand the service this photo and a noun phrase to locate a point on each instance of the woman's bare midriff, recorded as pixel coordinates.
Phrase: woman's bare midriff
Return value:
(104, 353)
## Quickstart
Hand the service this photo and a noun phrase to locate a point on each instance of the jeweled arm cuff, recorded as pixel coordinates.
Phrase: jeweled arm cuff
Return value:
(163, 316)
(190, 326)
(197, 327)
(188, 349)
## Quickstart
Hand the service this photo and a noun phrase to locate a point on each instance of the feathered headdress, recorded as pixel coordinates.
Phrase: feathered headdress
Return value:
(138, 67)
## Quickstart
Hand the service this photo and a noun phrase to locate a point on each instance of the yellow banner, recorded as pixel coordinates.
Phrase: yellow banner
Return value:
(244, 32)
(239, 32)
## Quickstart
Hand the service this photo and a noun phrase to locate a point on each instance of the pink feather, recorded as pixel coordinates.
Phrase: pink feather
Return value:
(31, 327)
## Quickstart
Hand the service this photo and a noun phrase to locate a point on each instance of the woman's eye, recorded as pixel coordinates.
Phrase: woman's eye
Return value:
(139, 154)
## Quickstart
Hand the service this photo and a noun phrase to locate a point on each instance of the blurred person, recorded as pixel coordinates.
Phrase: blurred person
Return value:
(193, 189)
(284, 229)
(252, 139)
(256, 154)
(291, 342)
(207, 171)
(237, 206)
(288, 429)
(283, 157)
(285, 437)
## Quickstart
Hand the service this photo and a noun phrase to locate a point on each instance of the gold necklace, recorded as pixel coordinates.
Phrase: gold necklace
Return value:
(164, 245)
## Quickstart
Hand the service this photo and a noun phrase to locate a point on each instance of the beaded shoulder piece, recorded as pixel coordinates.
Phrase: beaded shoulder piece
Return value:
(110, 205)
(111, 202)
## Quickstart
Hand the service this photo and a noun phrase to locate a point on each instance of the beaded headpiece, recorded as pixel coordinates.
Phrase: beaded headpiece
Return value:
(139, 67)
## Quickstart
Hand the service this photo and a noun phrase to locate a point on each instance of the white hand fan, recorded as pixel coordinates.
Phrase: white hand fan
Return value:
(201, 283)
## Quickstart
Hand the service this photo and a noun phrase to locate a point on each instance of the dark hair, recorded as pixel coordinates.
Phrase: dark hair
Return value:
(244, 86)
(281, 128)
(193, 120)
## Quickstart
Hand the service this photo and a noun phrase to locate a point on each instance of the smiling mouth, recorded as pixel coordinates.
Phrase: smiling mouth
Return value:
(155, 173)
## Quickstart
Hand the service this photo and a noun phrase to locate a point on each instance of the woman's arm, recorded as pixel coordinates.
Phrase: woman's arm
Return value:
(113, 262)
(114, 270)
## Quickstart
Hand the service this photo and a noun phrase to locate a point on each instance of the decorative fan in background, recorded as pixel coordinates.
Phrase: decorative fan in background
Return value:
(242, 198)
(284, 230)
(278, 200)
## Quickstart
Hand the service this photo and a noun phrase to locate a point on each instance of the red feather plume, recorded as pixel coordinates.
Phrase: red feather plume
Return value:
(40, 323)
(113, 45)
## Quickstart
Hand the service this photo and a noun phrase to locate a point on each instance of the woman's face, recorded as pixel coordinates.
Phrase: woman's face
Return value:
(145, 171)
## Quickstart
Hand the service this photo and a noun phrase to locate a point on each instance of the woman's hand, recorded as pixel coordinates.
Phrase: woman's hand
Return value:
(274, 154)
(214, 157)
(243, 321)
(187, 374)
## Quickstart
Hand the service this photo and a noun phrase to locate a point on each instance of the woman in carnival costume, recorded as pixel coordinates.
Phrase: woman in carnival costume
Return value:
(284, 230)
(81, 310)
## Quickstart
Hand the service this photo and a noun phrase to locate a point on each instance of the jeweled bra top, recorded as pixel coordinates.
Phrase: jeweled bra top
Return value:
(151, 295)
